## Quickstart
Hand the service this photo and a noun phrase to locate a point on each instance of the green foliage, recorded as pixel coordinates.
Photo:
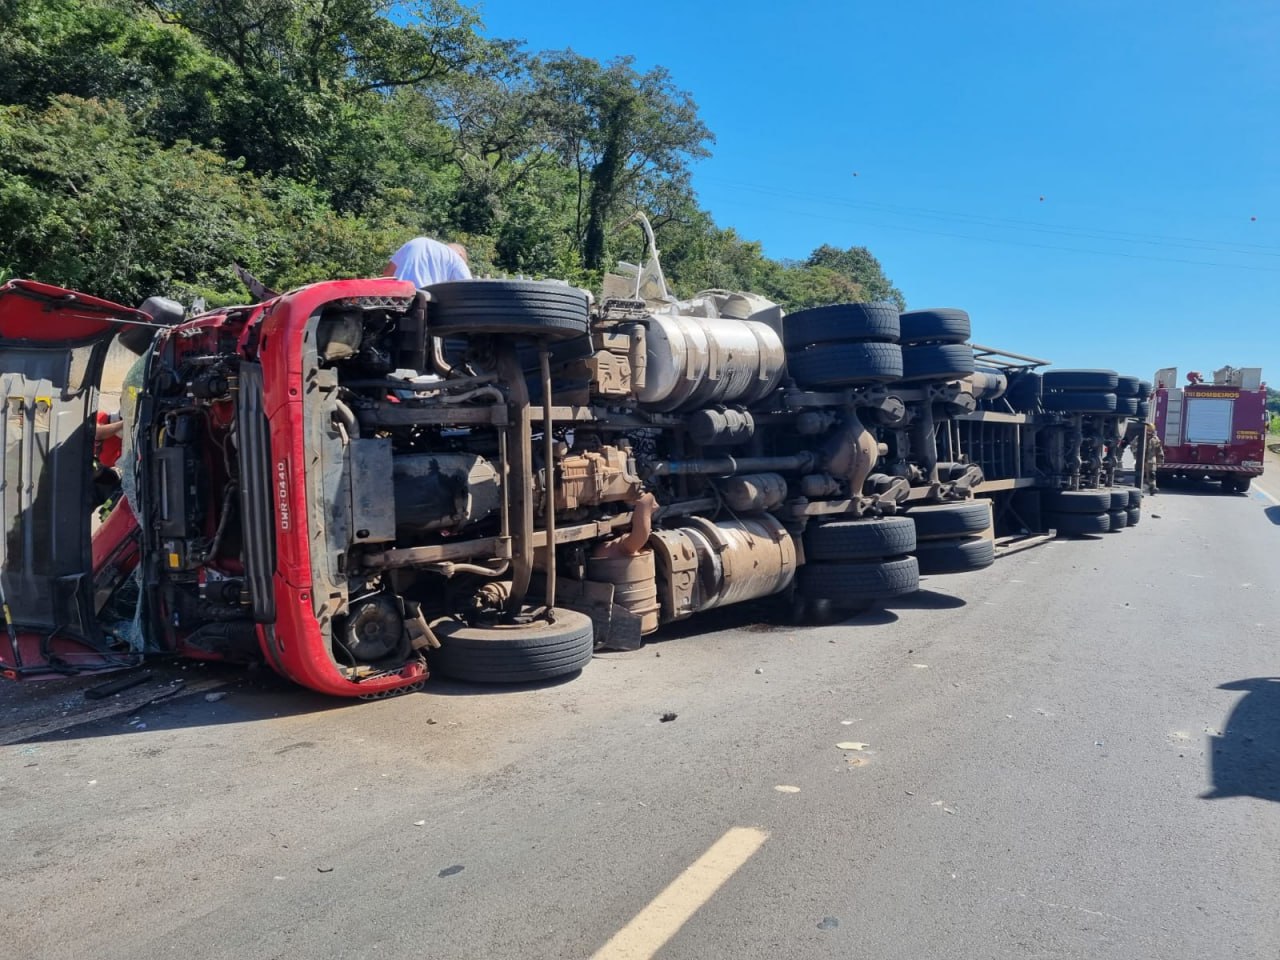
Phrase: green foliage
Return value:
(148, 145)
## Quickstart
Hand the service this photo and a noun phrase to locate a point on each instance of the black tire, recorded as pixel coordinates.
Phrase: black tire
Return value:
(1144, 389)
(1127, 386)
(1075, 501)
(1096, 380)
(1236, 484)
(514, 653)
(1119, 519)
(1119, 498)
(943, 325)
(956, 555)
(1144, 409)
(1078, 524)
(846, 364)
(943, 361)
(1025, 391)
(1134, 514)
(1081, 402)
(936, 521)
(849, 584)
(1127, 406)
(841, 322)
(859, 539)
(549, 311)
(1135, 497)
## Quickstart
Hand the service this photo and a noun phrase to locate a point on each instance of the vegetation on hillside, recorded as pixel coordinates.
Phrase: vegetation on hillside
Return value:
(147, 145)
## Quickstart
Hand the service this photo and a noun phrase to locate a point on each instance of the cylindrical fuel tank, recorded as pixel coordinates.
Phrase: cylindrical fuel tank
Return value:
(635, 584)
(706, 564)
(755, 491)
(434, 491)
(694, 362)
(989, 383)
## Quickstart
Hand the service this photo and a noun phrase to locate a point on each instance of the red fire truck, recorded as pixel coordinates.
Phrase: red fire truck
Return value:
(1212, 429)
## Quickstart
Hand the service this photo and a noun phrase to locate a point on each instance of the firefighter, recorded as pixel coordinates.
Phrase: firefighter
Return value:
(1155, 457)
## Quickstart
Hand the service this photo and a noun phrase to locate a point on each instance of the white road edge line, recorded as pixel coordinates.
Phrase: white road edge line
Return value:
(1267, 493)
(671, 909)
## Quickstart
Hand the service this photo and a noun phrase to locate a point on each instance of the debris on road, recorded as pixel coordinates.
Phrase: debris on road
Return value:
(451, 871)
(215, 697)
(851, 745)
(828, 923)
(784, 788)
(112, 687)
(667, 717)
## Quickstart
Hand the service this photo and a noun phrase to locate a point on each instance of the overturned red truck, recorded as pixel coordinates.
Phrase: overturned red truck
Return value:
(359, 482)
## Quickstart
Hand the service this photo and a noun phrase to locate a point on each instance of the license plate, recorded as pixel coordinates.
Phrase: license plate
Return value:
(1250, 463)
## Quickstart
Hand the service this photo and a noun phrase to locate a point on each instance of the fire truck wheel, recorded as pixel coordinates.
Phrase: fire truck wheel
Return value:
(1119, 499)
(1134, 514)
(1135, 497)
(849, 585)
(548, 311)
(860, 539)
(957, 555)
(1080, 401)
(1078, 524)
(1127, 386)
(1119, 519)
(841, 322)
(845, 364)
(937, 521)
(935, 326)
(1076, 501)
(514, 653)
(1081, 380)
(1236, 484)
(942, 361)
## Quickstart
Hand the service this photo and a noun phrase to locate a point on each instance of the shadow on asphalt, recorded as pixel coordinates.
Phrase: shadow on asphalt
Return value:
(1273, 514)
(1245, 759)
(926, 599)
(250, 695)
(1197, 488)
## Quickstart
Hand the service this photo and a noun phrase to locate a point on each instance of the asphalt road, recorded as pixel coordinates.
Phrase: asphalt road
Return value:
(1073, 754)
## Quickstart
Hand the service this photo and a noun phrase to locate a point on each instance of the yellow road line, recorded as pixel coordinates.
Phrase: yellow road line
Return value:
(671, 909)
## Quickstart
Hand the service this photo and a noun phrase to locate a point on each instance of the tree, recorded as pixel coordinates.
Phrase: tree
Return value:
(860, 266)
(616, 128)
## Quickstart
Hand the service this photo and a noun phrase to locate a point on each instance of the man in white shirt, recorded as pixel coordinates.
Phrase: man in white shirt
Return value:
(425, 261)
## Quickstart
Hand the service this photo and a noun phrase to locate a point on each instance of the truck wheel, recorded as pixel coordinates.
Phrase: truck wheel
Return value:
(549, 311)
(937, 521)
(1133, 514)
(1119, 519)
(1078, 524)
(1127, 386)
(957, 555)
(1025, 391)
(852, 584)
(1096, 380)
(1144, 389)
(1236, 484)
(944, 325)
(860, 539)
(514, 653)
(1081, 402)
(1119, 499)
(841, 322)
(942, 361)
(846, 364)
(1127, 406)
(1143, 410)
(1075, 501)
(1135, 497)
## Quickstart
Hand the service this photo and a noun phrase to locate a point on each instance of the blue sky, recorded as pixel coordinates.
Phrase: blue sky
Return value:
(1148, 128)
